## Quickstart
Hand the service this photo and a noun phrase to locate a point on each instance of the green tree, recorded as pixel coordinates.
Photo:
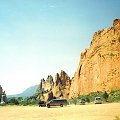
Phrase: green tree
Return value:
(13, 101)
(105, 96)
(87, 100)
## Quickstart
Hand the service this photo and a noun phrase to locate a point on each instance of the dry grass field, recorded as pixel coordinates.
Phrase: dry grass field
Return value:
(72, 112)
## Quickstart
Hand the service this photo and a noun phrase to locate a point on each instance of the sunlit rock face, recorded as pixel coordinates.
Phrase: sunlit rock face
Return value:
(62, 85)
(58, 88)
(99, 66)
(47, 84)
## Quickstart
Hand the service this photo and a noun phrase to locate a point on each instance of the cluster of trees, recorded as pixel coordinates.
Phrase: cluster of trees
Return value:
(22, 101)
(113, 96)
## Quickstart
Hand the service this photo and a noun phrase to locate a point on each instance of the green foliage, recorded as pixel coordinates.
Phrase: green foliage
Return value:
(113, 96)
(40, 92)
(87, 100)
(3, 104)
(23, 101)
(73, 101)
(28, 101)
(13, 101)
(105, 96)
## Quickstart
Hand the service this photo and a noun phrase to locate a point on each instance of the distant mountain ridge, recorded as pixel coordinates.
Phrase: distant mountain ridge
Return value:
(26, 93)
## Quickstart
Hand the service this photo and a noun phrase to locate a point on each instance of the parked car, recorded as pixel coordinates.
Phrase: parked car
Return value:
(82, 101)
(56, 102)
(42, 103)
(97, 100)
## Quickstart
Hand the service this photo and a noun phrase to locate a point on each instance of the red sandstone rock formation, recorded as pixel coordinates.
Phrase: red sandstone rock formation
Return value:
(62, 85)
(59, 88)
(99, 67)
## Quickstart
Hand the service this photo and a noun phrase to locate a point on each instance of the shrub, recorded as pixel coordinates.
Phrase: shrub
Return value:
(13, 101)
(113, 96)
(87, 99)
(105, 96)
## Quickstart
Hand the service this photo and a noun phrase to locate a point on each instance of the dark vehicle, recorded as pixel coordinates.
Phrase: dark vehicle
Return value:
(82, 101)
(97, 100)
(57, 102)
(42, 103)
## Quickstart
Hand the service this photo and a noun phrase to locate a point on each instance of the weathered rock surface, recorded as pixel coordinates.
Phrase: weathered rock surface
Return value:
(3, 97)
(47, 84)
(1, 90)
(99, 67)
(62, 85)
(59, 88)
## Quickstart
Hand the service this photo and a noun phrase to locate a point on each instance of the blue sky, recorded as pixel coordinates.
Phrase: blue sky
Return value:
(42, 37)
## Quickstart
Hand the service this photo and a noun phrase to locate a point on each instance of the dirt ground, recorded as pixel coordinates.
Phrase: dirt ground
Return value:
(70, 112)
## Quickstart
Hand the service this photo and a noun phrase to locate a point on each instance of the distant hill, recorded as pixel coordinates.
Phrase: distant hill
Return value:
(27, 93)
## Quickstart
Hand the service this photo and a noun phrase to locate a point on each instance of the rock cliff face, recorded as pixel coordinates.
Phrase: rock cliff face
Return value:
(99, 67)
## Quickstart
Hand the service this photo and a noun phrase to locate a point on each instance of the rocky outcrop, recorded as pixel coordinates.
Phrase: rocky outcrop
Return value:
(46, 96)
(58, 88)
(99, 69)
(62, 85)
(47, 84)
(3, 97)
(1, 90)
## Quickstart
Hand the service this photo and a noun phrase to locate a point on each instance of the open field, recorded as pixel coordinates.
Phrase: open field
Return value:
(72, 112)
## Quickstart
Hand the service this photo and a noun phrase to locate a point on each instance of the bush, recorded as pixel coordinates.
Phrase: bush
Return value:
(13, 101)
(113, 96)
(3, 104)
(87, 100)
(105, 96)
(23, 101)
(73, 101)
